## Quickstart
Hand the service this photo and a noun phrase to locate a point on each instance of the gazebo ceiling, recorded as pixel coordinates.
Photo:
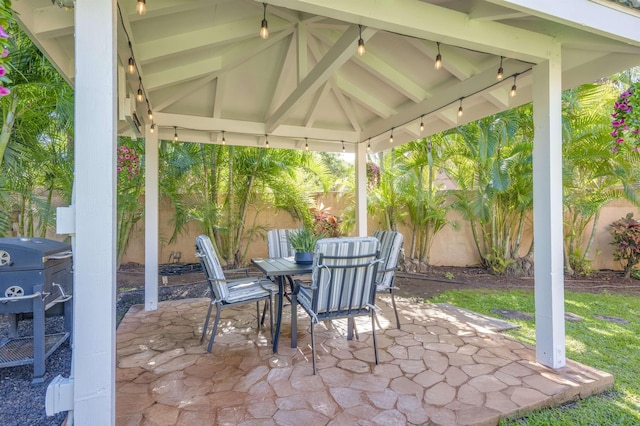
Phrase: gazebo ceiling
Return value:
(204, 69)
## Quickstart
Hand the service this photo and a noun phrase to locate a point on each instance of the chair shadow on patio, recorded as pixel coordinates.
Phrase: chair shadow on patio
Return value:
(436, 370)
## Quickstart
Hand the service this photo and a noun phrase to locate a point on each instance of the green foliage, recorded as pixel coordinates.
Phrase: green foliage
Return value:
(448, 275)
(608, 346)
(130, 187)
(626, 240)
(303, 240)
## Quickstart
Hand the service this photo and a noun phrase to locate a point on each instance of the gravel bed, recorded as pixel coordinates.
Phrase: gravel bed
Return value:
(22, 403)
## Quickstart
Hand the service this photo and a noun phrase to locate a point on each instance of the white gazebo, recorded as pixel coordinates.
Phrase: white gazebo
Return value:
(205, 73)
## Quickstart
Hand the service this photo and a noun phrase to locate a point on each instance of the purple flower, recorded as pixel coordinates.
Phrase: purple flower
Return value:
(5, 53)
(3, 33)
(617, 123)
(619, 141)
(614, 149)
(3, 70)
(4, 91)
(614, 133)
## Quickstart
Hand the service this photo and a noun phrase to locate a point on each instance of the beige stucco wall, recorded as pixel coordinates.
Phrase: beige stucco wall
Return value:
(451, 247)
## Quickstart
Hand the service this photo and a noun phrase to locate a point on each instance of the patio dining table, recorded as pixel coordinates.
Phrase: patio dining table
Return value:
(279, 268)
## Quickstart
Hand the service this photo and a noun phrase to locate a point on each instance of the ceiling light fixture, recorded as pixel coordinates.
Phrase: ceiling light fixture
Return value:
(391, 136)
(369, 145)
(131, 67)
(421, 123)
(306, 144)
(140, 95)
(266, 141)
(224, 141)
(153, 128)
(460, 109)
(360, 42)
(438, 64)
(149, 113)
(500, 70)
(342, 146)
(264, 28)
(141, 7)
(175, 134)
(513, 88)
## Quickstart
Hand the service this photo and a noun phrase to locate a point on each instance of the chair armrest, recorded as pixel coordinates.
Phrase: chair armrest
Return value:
(237, 270)
(298, 283)
(240, 281)
(388, 269)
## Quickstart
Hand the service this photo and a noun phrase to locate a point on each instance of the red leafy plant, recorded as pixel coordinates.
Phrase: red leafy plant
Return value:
(626, 239)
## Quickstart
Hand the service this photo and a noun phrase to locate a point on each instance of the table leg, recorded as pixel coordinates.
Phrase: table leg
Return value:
(276, 336)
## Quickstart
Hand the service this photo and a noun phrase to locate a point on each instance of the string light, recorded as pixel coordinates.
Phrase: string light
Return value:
(149, 113)
(266, 141)
(153, 128)
(500, 70)
(306, 144)
(224, 141)
(438, 64)
(141, 7)
(391, 136)
(513, 88)
(460, 108)
(360, 43)
(421, 123)
(264, 29)
(369, 145)
(342, 146)
(175, 134)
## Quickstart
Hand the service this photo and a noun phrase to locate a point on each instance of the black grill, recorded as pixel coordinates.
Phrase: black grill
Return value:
(35, 282)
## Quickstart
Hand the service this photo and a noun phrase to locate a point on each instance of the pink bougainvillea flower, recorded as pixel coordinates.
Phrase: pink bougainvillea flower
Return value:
(3, 33)
(119, 169)
(5, 53)
(4, 91)
(3, 70)
(614, 133)
(619, 141)
(614, 149)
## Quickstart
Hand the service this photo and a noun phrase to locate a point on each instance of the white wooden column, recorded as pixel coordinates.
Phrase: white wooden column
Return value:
(94, 294)
(547, 212)
(361, 189)
(150, 220)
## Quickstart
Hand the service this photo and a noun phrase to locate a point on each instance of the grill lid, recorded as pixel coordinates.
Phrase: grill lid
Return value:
(29, 253)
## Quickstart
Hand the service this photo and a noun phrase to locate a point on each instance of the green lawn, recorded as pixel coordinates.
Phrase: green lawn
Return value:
(611, 347)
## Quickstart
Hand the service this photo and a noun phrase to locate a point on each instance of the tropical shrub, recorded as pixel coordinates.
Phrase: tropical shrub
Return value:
(626, 239)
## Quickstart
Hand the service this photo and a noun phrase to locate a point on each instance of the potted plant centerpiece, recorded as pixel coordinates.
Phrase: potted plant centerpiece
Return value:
(303, 241)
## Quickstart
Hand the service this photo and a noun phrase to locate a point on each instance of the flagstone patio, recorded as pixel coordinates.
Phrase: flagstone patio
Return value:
(441, 368)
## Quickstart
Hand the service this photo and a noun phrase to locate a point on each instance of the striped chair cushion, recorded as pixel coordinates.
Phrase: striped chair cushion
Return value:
(250, 289)
(390, 245)
(342, 289)
(213, 269)
(278, 243)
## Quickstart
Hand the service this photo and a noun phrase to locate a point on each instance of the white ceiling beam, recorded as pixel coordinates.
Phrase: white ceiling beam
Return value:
(302, 63)
(347, 108)
(483, 11)
(159, 8)
(206, 38)
(339, 53)
(443, 96)
(215, 65)
(208, 124)
(427, 21)
(313, 108)
(453, 62)
(51, 22)
(277, 87)
(584, 15)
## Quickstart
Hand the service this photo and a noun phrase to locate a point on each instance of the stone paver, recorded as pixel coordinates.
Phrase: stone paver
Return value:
(438, 369)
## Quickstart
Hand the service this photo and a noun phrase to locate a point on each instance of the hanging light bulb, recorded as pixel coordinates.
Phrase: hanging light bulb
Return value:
(175, 134)
(224, 141)
(438, 64)
(264, 29)
(342, 146)
(153, 128)
(513, 88)
(141, 7)
(460, 109)
(140, 95)
(131, 67)
(421, 123)
(266, 141)
(391, 136)
(360, 43)
(150, 114)
(500, 70)
(306, 144)
(369, 145)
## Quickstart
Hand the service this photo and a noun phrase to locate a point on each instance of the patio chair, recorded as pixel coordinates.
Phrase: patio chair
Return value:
(390, 246)
(226, 293)
(278, 246)
(342, 285)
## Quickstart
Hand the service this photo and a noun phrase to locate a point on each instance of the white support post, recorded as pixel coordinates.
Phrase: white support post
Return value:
(94, 294)
(361, 190)
(547, 212)
(151, 220)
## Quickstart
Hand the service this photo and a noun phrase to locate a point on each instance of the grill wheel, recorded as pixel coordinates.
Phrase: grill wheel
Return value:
(14, 291)
(5, 258)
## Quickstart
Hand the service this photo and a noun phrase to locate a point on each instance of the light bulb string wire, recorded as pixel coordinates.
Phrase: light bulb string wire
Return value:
(133, 56)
